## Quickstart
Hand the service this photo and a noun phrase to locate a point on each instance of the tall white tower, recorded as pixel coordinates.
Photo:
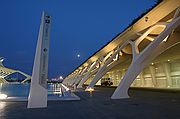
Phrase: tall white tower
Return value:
(38, 88)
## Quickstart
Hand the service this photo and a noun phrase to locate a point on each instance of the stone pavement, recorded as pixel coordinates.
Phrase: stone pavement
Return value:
(143, 104)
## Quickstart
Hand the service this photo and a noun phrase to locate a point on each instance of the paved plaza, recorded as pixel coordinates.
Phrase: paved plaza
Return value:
(143, 104)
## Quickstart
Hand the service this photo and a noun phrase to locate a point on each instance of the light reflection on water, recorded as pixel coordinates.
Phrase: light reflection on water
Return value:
(22, 90)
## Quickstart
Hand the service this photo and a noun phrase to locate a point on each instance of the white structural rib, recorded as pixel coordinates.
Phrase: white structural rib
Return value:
(155, 48)
(38, 89)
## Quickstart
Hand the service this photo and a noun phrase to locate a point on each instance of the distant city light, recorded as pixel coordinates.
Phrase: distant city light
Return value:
(60, 77)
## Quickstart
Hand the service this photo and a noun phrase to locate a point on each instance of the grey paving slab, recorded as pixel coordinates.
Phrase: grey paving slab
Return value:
(144, 104)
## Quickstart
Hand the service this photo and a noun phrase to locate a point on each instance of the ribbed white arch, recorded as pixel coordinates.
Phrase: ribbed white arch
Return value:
(145, 57)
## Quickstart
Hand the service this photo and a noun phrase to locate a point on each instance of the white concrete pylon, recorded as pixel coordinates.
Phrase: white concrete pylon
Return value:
(105, 65)
(92, 70)
(67, 79)
(167, 69)
(75, 78)
(70, 81)
(156, 47)
(38, 88)
(100, 74)
(80, 77)
(142, 79)
(153, 75)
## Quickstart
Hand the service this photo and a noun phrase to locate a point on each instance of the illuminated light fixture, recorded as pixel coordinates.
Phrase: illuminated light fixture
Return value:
(151, 39)
(89, 89)
(97, 66)
(168, 60)
(152, 63)
(166, 39)
(120, 53)
(116, 58)
(3, 96)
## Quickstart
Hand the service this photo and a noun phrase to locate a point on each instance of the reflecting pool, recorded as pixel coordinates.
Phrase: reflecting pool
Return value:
(22, 90)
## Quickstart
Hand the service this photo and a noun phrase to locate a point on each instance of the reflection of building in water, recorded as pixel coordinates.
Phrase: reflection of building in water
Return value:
(146, 54)
(11, 75)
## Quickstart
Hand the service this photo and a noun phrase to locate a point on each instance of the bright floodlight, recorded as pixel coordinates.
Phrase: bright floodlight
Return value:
(3, 96)
(89, 89)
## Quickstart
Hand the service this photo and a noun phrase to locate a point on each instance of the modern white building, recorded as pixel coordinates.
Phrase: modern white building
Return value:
(146, 54)
(10, 75)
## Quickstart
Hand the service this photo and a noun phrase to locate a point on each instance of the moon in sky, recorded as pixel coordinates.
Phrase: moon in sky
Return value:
(78, 55)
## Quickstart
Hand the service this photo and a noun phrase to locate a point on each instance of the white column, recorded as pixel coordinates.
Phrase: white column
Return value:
(92, 70)
(153, 75)
(80, 76)
(167, 70)
(142, 79)
(75, 77)
(38, 88)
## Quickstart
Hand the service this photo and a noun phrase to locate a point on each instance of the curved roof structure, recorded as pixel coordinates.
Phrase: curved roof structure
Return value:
(162, 11)
(154, 37)
(5, 72)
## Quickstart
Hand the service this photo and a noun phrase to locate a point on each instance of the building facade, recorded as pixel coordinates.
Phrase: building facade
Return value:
(146, 54)
(8, 75)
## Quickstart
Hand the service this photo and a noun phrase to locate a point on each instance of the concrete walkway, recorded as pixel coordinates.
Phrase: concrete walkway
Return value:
(142, 105)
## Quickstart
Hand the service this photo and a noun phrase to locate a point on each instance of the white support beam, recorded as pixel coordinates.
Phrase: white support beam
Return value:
(167, 69)
(103, 69)
(73, 79)
(142, 79)
(98, 76)
(147, 37)
(145, 57)
(67, 80)
(80, 77)
(70, 80)
(135, 50)
(89, 73)
(106, 57)
(153, 75)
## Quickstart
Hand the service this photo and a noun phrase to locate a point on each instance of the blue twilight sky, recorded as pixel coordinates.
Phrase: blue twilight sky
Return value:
(78, 27)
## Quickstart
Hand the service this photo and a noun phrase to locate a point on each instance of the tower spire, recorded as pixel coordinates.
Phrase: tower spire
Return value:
(38, 89)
